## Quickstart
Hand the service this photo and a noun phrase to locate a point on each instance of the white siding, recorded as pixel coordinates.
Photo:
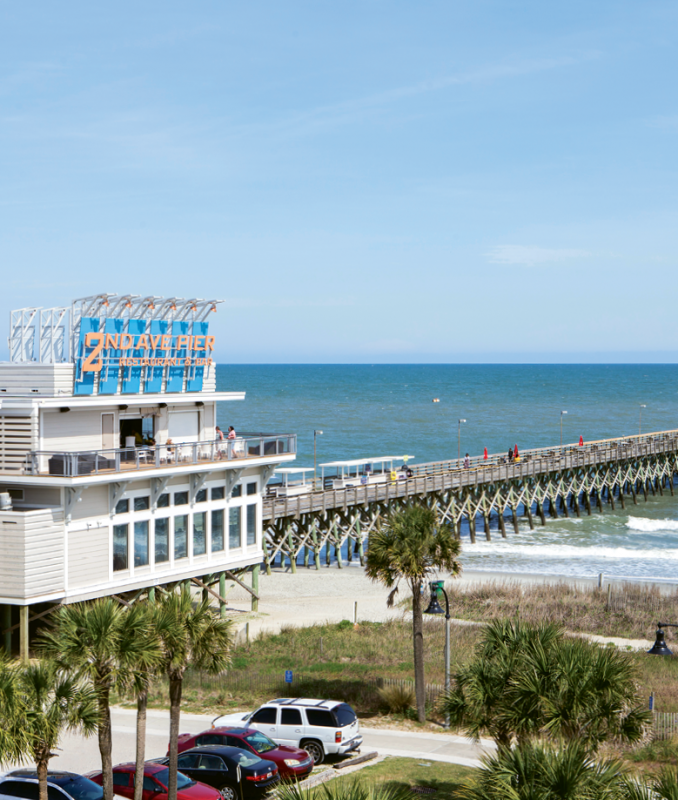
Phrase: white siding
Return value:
(32, 379)
(93, 503)
(88, 558)
(71, 432)
(17, 439)
(32, 547)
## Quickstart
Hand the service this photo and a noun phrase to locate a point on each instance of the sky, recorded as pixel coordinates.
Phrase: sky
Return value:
(364, 181)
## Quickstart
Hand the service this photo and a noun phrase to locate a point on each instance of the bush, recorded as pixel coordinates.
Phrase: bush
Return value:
(398, 698)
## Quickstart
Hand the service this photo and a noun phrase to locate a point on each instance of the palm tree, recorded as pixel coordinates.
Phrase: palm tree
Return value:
(99, 641)
(192, 636)
(344, 790)
(141, 617)
(14, 740)
(409, 546)
(528, 681)
(535, 772)
(51, 703)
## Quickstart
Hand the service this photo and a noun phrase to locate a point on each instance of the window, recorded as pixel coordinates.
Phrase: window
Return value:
(218, 493)
(161, 540)
(199, 534)
(234, 535)
(211, 762)
(251, 488)
(320, 717)
(121, 778)
(163, 501)
(149, 784)
(290, 716)
(201, 496)
(251, 524)
(237, 491)
(187, 761)
(259, 741)
(345, 715)
(75, 786)
(265, 715)
(182, 781)
(209, 738)
(122, 506)
(119, 547)
(217, 530)
(21, 789)
(141, 543)
(181, 536)
(181, 498)
(142, 503)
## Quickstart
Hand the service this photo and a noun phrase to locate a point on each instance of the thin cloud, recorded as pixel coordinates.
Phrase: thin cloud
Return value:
(530, 256)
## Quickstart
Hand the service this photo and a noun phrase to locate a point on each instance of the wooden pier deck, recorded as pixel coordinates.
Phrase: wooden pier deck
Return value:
(552, 480)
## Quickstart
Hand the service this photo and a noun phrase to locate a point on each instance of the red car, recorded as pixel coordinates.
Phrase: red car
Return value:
(292, 762)
(156, 777)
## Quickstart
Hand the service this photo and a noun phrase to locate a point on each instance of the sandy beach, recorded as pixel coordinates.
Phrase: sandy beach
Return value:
(330, 594)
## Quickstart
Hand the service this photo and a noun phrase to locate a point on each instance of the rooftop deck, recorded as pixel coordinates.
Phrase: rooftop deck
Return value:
(177, 454)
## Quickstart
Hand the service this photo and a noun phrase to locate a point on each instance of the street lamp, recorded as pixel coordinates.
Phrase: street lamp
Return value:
(459, 443)
(640, 416)
(434, 608)
(660, 648)
(562, 413)
(315, 434)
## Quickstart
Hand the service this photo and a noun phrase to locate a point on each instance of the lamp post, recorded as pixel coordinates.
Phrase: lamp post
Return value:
(660, 648)
(459, 443)
(640, 416)
(562, 413)
(315, 435)
(434, 608)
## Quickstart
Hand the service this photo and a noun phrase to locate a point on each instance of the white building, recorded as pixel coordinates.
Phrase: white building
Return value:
(117, 477)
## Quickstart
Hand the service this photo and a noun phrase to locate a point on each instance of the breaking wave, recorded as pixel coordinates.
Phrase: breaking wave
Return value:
(645, 525)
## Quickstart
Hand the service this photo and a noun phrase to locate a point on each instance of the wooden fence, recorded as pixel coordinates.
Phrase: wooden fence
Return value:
(664, 726)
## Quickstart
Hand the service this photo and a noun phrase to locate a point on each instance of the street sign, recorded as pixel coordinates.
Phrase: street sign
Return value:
(288, 676)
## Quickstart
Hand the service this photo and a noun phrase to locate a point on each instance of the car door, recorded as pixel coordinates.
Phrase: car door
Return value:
(266, 720)
(122, 784)
(290, 728)
(152, 789)
(211, 770)
(188, 764)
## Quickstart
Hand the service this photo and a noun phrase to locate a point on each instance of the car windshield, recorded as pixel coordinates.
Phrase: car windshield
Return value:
(79, 787)
(345, 715)
(260, 742)
(182, 781)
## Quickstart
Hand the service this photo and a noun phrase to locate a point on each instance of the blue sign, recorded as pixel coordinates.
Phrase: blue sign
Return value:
(288, 676)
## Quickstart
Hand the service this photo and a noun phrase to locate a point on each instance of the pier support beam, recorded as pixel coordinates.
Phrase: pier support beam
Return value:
(255, 586)
(486, 522)
(502, 526)
(514, 516)
(472, 528)
(222, 593)
(528, 514)
(7, 624)
(23, 634)
(540, 511)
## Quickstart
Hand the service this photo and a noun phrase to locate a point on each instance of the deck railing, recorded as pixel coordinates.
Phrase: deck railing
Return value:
(122, 459)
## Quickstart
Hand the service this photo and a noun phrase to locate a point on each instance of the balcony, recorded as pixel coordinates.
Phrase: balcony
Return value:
(177, 454)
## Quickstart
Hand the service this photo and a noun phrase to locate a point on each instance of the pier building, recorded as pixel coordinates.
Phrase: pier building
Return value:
(114, 478)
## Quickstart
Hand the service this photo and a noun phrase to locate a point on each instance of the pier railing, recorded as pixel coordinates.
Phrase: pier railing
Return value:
(122, 459)
(446, 475)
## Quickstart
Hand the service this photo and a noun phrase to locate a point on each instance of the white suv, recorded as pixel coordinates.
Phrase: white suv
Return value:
(318, 726)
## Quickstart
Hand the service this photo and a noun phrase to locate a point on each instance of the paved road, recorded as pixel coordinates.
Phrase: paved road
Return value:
(81, 755)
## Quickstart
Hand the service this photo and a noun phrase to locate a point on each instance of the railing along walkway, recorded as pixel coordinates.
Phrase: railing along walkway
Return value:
(445, 475)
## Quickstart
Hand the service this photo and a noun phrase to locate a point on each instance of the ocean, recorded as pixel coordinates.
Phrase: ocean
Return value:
(380, 410)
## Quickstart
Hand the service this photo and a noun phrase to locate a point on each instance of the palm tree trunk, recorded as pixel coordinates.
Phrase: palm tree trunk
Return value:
(142, 702)
(418, 643)
(105, 742)
(42, 778)
(175, 684)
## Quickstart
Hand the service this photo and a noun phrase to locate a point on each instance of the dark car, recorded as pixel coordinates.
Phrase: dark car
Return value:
(60, 785)
(231, 770)
(156, 778)
(292, 762)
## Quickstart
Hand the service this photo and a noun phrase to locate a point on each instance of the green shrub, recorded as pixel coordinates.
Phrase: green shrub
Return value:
(397, 698)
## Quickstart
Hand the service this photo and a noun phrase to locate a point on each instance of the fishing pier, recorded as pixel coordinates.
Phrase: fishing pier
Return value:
(488, 497)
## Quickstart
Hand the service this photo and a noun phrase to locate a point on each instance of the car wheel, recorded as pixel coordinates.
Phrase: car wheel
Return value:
(228, 792)
(315, 750)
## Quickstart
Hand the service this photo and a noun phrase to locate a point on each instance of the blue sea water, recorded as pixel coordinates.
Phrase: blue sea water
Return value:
(378, 410)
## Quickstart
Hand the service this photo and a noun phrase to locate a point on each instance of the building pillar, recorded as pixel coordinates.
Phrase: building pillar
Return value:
(23, 633)
(151, 594)
(7, 623)
(255, 586)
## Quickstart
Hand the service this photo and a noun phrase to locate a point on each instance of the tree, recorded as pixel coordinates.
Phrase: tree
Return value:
(528, 681)
(192, 636)
(99, 641)
(52, 702)
(536, 772)
(13, 734)
(409, 546)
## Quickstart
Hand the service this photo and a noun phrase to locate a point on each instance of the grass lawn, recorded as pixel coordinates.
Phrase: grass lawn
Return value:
(407, 772)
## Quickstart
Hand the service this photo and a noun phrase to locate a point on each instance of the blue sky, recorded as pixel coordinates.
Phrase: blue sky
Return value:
(360, 181)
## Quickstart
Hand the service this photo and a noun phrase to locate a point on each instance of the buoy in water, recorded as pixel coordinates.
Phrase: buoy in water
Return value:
(436, 399)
